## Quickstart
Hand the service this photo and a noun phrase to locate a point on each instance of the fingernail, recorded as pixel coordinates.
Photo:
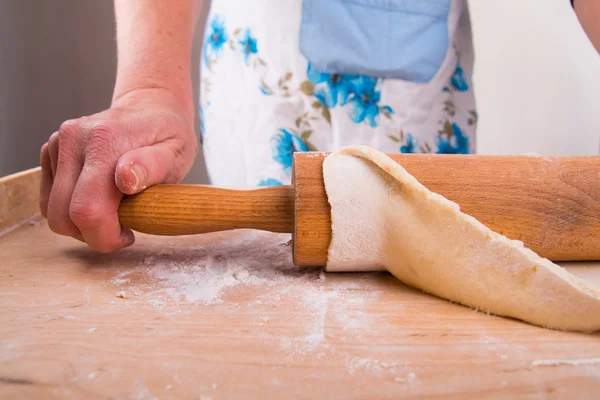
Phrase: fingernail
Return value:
(127, 237)
(139, 173)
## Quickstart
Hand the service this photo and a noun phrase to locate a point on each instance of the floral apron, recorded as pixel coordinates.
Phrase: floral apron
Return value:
(269, 86)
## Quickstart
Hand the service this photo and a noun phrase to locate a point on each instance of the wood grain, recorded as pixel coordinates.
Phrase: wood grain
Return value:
(552, 204)
(19, 197)
(192, 209)
(64, 333)
(294, 334)
(312, 214)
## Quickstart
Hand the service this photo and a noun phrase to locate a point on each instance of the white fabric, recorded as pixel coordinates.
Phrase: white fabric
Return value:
(243, 128)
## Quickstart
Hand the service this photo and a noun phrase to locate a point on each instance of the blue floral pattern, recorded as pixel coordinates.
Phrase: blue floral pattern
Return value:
(270, 182)
(215, 39)
(365, 100)
(283, 146)
(248, 44)
(410, 146)
(451, 139)
(458, 80)
(359, 91)
(336, 87)
(456, 144)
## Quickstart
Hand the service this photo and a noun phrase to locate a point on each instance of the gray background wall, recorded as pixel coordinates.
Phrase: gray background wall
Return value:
(58, 61)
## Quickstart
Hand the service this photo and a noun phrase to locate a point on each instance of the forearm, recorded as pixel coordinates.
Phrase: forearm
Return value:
(588, 12)
(154, 40)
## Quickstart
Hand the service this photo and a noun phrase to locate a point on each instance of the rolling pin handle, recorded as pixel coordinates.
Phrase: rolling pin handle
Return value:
(191, 209)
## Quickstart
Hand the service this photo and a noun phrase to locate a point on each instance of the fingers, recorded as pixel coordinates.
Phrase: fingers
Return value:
(66, 158)
(95, 199)
(94, 209)
(46, 179)
(83, 199)
(53, 151)
(143, 167)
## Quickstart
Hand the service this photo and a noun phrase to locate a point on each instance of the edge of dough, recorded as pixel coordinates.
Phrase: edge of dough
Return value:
(491, 273)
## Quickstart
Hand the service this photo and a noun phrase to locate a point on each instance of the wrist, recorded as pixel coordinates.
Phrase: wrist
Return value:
(152, 94)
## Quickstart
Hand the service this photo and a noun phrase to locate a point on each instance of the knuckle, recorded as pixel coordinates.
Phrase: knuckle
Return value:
(53, 137)
(101, 139)
(85, 215)
(69, 135)
(90, 218)
(101, 131)
(69, 129)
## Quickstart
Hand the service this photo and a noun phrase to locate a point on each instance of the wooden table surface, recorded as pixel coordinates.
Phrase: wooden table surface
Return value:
(227, 315)
(189, 328)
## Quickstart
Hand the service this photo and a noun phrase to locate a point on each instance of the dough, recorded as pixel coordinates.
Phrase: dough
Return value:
(383, 217)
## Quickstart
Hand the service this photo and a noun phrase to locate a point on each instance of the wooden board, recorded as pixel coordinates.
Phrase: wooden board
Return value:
(280, 332)
(19, 195)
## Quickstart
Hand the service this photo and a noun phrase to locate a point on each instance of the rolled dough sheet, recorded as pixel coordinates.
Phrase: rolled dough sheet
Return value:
(383, 217)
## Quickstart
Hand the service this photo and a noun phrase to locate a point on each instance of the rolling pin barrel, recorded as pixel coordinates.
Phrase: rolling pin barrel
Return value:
(551, 204)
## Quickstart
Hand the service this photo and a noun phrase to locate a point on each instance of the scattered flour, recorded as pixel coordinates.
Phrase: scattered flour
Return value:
(554, 363)
(314, 154)
(317, 301)
(203, 275)
(373, 366)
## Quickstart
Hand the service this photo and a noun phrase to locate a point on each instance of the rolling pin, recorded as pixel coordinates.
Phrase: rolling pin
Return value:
(552, 204)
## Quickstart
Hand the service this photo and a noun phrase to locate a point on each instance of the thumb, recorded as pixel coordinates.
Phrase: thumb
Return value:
(140, 168)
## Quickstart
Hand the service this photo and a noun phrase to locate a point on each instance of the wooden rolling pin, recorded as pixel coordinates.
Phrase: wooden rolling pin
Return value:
(552, 204)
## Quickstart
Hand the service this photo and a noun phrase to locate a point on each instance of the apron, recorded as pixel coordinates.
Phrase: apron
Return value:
(279, 76)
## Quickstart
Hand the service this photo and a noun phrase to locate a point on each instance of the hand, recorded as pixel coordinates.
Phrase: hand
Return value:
(146, 137)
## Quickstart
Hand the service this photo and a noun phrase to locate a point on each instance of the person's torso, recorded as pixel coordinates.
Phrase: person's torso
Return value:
(279, 77)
